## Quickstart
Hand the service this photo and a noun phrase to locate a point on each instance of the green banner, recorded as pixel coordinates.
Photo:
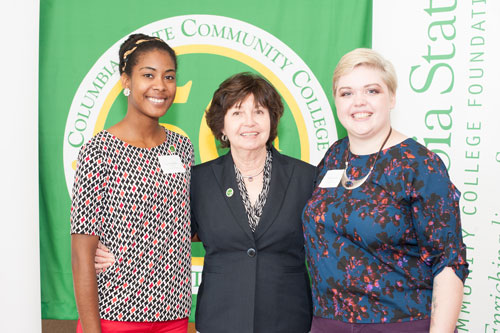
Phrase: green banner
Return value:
(294, 44)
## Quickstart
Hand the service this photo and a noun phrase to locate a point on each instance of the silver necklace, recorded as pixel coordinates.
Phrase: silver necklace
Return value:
(351, 184)
(250, 178)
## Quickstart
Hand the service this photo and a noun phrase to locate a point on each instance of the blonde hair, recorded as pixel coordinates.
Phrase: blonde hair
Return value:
(370, 58)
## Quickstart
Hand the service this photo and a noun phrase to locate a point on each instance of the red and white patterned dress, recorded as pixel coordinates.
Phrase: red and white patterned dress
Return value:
(142, 214)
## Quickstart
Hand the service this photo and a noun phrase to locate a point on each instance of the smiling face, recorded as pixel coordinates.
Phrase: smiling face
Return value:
(363, 103)
(247, 126)
(152, 84)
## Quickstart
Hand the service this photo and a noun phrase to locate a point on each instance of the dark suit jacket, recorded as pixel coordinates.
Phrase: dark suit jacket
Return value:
(252, 282)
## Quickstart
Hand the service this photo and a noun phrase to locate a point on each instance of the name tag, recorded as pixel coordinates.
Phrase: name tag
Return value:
(171, 164)
(331, 178)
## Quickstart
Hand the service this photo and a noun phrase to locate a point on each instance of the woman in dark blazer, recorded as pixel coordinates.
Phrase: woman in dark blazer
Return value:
(246, 209)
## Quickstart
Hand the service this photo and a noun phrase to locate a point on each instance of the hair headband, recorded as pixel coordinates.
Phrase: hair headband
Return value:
(136, 45)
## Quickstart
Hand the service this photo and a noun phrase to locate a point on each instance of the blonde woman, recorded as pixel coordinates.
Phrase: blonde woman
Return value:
(384, 243)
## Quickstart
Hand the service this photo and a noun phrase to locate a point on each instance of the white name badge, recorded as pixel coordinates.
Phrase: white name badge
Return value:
(171, 164)
(331, 178)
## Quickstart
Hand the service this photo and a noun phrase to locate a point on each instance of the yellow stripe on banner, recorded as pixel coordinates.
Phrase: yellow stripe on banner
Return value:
(182, 93)
(106, 106)
(197, 261)
(206, 141)
(175, 129)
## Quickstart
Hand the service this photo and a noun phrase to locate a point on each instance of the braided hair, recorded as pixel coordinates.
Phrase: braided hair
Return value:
(136, 45)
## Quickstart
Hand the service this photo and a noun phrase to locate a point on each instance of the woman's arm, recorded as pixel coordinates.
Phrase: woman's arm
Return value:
(436, 218)
(447, 295)
(83, 249)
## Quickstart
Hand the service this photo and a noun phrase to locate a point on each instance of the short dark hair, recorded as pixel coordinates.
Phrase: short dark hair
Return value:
(138, 44)
(233, 91)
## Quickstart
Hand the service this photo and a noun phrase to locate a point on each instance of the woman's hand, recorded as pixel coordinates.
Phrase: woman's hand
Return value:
(103, 258)
(447, 293)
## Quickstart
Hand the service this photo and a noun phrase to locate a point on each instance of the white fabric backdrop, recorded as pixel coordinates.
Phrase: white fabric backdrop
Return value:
(19, 246)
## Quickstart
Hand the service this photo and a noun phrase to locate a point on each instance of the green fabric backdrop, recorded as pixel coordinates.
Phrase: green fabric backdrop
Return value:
(74, 34)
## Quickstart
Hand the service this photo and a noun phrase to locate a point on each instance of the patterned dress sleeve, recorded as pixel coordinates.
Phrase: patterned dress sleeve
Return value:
(436, 215)
(88, 210)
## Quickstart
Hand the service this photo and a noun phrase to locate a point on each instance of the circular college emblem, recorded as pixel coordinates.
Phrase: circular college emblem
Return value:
(210, 49)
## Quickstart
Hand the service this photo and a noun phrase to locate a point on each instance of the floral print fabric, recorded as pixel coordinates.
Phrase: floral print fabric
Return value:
(373, 251)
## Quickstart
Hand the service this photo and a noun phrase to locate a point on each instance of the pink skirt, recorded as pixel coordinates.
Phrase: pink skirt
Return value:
(171, 326)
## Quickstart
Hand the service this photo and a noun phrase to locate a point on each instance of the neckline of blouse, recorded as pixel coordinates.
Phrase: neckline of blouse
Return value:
(126, 144)
(382, 152)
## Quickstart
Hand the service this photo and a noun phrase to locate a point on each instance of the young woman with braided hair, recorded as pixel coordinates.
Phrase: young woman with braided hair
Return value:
(131, 193)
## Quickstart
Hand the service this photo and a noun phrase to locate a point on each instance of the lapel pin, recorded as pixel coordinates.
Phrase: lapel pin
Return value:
(229, 192)
(172, 148)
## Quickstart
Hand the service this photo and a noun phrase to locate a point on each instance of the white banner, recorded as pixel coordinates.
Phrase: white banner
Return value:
(447, 56)
(20, 306)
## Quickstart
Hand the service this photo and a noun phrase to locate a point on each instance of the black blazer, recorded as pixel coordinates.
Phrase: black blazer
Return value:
(252, 282)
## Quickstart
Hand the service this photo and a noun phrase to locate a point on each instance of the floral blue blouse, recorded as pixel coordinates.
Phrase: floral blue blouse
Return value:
(373, 251)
